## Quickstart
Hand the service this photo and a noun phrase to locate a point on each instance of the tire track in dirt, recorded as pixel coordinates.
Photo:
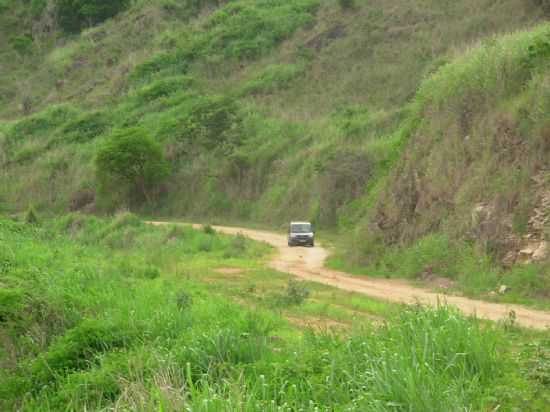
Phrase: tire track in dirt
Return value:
(308, 264)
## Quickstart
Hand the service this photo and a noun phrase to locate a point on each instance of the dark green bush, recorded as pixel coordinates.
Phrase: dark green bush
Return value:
(162, 88)
(205, 244)
(131, 162)
(213, 123)
(238, 243)
(151, 272)
(539, 50)
(295, 294)
(96, 386)
(4, 5)
(237, 247)
(342, 177)
(75, 15)
(163, 62)
(209, 230)
(354, 121)
(86, 127)
(244, 29)
(40, 124)
(22, 44)
(77, 349)
(11, 304)
(346, 4)
(31, 217)
(183, 300)
(38, 7)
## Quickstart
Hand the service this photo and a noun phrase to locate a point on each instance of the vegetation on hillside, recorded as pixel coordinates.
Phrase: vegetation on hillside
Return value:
(373, 118)
(464, 198)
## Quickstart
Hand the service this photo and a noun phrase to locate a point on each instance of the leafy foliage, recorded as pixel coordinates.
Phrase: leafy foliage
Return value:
(347, 4)
(86, 127)
(74, 15)
(131, 158)
(22, 44)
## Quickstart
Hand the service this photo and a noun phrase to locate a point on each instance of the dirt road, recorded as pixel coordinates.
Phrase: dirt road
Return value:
(308, 264)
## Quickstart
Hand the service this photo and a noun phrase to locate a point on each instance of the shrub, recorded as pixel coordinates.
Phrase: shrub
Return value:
(243, 29)
(22, 44)
(343, 176)
(346, 4)
(4, 5)
(38, 7)
(166, 63)
(354, 121)
(238, 243)
(11, 304)
(86, 127)
(31, 217)
(295, 294)
(131, 158)
(212, 122)
(151, 272)
(183, 300)
(236, 248)
(205, 244)
(209, 230)
(77, 350)
(40, 124)
(75, 15)
(162, 88)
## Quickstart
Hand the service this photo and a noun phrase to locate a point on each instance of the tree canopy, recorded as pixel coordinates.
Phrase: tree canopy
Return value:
(131, 161)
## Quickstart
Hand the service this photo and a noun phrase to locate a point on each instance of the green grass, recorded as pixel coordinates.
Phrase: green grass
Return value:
(470, 271)
(103, 312)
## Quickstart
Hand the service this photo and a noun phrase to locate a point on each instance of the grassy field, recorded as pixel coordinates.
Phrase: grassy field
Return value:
(113, 314)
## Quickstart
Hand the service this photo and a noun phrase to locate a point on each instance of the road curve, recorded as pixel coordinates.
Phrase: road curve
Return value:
(308, 264)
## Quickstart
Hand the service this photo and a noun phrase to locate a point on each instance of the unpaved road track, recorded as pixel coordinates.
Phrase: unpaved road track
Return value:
(308, 264)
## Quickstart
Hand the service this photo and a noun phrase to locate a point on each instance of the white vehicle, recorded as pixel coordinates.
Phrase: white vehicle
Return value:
(301, 233)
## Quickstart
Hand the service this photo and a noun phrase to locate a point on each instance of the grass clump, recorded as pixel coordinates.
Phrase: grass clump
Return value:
(295, 294)
(209, 230)
(273, 78)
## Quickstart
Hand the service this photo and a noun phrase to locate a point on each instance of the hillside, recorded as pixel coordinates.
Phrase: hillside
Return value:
(416, 128)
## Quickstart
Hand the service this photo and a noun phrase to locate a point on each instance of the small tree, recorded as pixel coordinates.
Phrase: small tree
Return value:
(132, 161)
(75, 15)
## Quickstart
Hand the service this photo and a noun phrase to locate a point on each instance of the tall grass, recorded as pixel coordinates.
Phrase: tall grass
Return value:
(88, 327)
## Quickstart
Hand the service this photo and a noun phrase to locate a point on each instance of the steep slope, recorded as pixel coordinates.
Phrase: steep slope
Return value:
(471, 187)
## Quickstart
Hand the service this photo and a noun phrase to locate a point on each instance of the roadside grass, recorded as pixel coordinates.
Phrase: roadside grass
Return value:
(469, 271)
(113, 313)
